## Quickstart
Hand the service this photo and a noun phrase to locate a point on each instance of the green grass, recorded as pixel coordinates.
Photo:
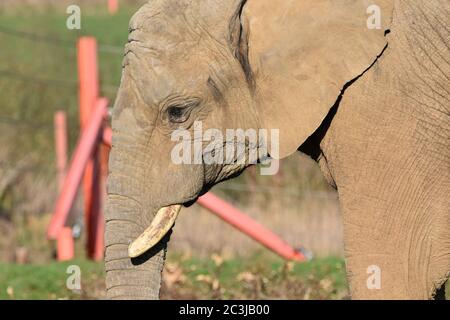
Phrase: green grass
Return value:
(258, 277)
(48, 281)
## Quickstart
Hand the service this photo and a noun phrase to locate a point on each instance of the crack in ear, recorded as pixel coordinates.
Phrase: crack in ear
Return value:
(311, 146)
(238, 40)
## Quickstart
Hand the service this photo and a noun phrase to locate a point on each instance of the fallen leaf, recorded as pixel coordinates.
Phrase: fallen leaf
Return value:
(10, 291)
(246, 276)
(215, 284)
(218, 260)
(173, 274)
(326, 284)
(204, 278)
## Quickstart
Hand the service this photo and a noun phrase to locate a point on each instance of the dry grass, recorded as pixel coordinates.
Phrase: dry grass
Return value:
(215, 277)
(255, 277)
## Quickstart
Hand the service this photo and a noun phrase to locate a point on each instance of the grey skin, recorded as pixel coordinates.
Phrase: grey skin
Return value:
(371, 106)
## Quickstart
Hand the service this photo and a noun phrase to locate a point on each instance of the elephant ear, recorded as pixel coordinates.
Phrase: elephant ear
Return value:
(301, 55)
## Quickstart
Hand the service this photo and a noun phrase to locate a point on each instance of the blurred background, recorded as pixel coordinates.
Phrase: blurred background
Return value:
(207, 258)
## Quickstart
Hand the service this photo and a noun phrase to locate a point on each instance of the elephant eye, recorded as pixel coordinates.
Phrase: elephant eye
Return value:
(180, 113)
(177, 114)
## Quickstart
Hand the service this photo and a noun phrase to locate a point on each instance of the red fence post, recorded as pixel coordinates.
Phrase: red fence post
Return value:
(65, 244)
(113, 6)
(88, 77)
(87, 143)
(103, 156)
(60, 146)
(250, 227)
(107, 137)
(95, 230)
(89, 92)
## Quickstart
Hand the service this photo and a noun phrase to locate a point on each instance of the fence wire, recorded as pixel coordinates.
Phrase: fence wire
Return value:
(55, 41)
(108, 48)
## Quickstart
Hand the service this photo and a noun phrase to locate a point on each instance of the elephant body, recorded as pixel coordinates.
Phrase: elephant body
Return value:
(391, 169)
(373, 108)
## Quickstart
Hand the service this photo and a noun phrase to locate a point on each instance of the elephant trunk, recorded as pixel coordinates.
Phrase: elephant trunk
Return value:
(129, 278)
(130, 210)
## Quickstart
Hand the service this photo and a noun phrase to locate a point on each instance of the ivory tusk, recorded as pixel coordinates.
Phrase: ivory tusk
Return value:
(161, 224)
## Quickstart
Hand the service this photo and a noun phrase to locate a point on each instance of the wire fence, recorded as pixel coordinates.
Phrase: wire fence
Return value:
(30, 127)
(287, 191)
(46, 81)
(54, 41)
(50, 82)
(39, 168)
(22, 123)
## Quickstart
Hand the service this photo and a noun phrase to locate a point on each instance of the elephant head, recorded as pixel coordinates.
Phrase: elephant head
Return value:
(226, 64)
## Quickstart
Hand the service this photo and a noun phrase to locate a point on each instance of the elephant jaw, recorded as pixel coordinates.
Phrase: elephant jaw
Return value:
(161, 224)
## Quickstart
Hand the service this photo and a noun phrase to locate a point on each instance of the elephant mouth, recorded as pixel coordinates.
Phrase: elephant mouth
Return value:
(161, 224)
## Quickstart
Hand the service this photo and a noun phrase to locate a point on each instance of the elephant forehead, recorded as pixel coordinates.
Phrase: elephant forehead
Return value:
(158, 33)
(156, 79)
(164, 25)
(164, 53)
(177, 26)
(168, 8)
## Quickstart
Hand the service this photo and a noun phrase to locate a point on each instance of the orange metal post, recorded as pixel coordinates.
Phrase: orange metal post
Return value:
(61, 146)
(250, 227)
(88, 77)
(89, 92)
(95, 223)
(86, 145)
(98, 224)
(113, 6)
(65, 243)
(65, 247)
(107, 136)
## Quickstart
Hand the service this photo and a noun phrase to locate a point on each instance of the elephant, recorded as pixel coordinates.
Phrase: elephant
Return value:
(362, 87)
